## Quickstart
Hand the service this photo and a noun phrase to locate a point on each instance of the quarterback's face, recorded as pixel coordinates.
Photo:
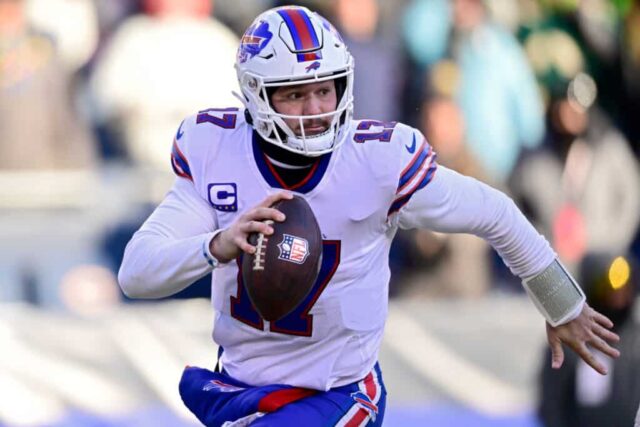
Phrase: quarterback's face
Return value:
(306, 100)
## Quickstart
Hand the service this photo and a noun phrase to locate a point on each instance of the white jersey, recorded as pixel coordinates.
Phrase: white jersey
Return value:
(384, 177)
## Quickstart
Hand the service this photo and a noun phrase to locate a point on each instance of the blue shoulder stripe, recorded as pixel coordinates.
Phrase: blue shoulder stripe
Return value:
(426, 179)
(412, 169)
(179, 162)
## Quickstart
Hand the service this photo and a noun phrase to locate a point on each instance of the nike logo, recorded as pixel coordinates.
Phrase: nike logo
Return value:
(413, 145)
(181, 132)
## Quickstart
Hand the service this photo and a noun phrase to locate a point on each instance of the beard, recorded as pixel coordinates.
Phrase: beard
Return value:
(313, 127)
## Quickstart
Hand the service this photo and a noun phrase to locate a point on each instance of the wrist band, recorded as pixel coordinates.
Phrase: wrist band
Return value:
(211, 260)
(555, 294)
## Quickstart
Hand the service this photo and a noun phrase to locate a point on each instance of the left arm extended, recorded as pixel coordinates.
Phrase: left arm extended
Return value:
(454, 203)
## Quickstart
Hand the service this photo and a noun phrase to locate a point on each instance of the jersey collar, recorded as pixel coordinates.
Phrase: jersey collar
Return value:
(269, 173)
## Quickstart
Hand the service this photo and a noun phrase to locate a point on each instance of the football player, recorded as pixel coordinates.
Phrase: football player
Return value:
(364, 179)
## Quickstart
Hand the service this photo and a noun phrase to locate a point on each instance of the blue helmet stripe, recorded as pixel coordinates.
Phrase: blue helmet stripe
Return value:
(302, 32)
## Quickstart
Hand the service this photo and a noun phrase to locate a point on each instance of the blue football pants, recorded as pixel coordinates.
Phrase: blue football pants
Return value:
(216, 400)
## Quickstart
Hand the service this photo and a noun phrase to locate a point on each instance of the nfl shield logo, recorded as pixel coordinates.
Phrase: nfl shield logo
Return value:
(293, 249)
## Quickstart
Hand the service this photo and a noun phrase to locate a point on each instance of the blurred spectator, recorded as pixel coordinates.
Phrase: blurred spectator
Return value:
(631, 74)
(111, 13)
(238, 15)
(39, 128)
(597, 206)
(592, 37)
(454, 264)
(427, 27)
(498, 94)
(443, 122)
(577, 396)
(599, 23)
(160, 67)
(73, 25)
(378, 74)
(89, 290)
(603, 31)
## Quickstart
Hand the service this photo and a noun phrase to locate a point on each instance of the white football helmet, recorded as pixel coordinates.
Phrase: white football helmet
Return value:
(292, 46)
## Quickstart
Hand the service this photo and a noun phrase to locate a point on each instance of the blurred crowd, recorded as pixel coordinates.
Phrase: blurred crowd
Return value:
(539, 98)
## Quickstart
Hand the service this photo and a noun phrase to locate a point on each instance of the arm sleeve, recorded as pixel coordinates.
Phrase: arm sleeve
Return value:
(455, 203)
(171, 249)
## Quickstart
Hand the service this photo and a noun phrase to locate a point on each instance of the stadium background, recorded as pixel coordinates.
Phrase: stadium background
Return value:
(539, 98)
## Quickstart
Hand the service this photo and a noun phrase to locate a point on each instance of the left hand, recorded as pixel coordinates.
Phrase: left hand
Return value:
(589, 330)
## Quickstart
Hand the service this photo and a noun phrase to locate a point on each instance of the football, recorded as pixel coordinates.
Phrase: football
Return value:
(282, 271)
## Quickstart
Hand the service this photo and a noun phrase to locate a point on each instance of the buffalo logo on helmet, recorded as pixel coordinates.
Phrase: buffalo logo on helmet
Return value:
(254, 40)
(313, 66)
(293, 249)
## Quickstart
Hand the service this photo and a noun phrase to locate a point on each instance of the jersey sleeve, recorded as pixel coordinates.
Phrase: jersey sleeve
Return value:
(171, 249)
(417, 166)
(196, 144)
(179, 161)
(454, 203)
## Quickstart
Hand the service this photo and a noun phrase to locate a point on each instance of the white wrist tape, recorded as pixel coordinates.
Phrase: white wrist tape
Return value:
(555, 294)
